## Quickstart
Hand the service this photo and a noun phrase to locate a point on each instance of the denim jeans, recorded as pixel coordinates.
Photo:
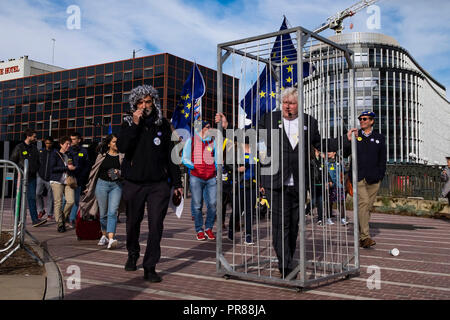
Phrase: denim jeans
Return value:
(203, 188)
(108, 196)
(31, 198)
(41, 186)
(73, 213)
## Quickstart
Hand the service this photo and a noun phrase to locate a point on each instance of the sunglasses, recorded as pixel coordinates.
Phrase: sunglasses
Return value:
(364, 119)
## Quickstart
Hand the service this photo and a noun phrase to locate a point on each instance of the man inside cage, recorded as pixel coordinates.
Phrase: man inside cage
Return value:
(282, 185)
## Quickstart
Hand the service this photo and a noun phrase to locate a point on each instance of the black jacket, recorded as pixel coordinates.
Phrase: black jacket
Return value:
(26, 151)
(371, 157)
(58, 166)
(45, 169)
(290, 156)
(147, 148)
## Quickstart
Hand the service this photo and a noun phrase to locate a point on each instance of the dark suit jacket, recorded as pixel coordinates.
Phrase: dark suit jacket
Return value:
(290, 156)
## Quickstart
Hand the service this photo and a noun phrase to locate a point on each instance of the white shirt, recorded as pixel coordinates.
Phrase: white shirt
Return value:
(291, 128)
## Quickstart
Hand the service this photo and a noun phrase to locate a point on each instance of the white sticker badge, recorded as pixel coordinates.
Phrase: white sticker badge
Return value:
(157, 141)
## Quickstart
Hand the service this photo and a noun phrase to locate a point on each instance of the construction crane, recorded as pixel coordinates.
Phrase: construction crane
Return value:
(335, 22)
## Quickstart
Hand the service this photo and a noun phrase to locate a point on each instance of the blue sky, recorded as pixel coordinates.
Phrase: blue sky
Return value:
(110, 30)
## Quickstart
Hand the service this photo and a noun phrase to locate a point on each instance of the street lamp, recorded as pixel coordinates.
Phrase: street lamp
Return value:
(134, 52)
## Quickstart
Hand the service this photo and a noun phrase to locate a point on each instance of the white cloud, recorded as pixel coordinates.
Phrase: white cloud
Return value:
(110, 30)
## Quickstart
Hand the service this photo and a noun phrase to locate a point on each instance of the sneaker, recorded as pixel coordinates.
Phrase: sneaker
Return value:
(41, 214)
(319, 223)
(344, 222)
(103, 241)
(210, 234)
(329, 221)
(39, 222)
(201, 236)
(112, 244)
(50, 218)
(248, 240)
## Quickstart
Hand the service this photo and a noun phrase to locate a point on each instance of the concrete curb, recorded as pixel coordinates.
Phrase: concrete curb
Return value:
(54, 288)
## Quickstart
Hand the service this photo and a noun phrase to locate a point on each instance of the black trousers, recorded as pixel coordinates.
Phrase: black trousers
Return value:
(245, 200)
(156, 195)
(284, 224)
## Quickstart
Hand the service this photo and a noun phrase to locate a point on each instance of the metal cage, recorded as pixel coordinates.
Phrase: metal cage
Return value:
(322, 252)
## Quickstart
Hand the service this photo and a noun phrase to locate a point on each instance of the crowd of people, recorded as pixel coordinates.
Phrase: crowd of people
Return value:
(134, 169)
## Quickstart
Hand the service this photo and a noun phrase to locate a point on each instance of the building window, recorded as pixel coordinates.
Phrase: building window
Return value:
(72, 84)
(24, 126)
(90, 82)
(148, 73)
(26, 109)
(71, 123)
(40, 107)
(108, 78)
(72, 103)
(106, 120)
(56, 86)
(55, 124)
(127, 76)
(41, 88)
(107, 100)
(90, 101)
(26, 91)
(126, 97)
(39, 126)
(56, 105)
(88, 122)
(10, 127)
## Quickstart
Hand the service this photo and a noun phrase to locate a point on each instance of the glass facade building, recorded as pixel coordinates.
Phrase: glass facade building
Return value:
(88, 99)
(411, 107)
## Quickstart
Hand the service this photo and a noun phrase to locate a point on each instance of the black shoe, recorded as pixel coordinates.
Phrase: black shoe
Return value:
(287, 271)
(39, 222)
(61, 229)
(131, 263)
(152, 276)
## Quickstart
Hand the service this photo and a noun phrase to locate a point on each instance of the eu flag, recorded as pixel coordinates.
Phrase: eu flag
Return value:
(262, 96)
(189, 108)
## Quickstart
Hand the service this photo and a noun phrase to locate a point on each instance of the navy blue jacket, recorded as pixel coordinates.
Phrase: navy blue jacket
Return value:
(58, 166)
(371, 157)
(81, 162)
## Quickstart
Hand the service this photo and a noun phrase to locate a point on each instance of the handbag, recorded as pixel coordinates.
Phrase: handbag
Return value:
(70, 180)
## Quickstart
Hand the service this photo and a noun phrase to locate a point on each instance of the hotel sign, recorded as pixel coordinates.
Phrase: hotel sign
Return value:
(9, 70)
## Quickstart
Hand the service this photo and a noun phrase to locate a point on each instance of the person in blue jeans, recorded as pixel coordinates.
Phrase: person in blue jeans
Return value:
(82, 165)
(200, 157)
(108, 189)
(28, 150)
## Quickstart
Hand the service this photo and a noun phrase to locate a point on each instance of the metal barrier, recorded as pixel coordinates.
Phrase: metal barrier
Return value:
(266, 247)
(13, 211)
(412, 180)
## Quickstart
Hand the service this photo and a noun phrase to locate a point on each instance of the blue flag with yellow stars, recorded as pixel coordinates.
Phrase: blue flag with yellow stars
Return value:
(189, 108)
(262, 96)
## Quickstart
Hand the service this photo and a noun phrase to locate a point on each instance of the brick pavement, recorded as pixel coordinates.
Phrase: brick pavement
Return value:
(188, 267)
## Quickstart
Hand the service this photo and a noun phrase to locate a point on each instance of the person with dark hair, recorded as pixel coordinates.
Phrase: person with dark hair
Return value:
(81, 173)
(371, 158)
(43, 181)
(105, 188)
(28, 150)
(149, 173)
(62, 167)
